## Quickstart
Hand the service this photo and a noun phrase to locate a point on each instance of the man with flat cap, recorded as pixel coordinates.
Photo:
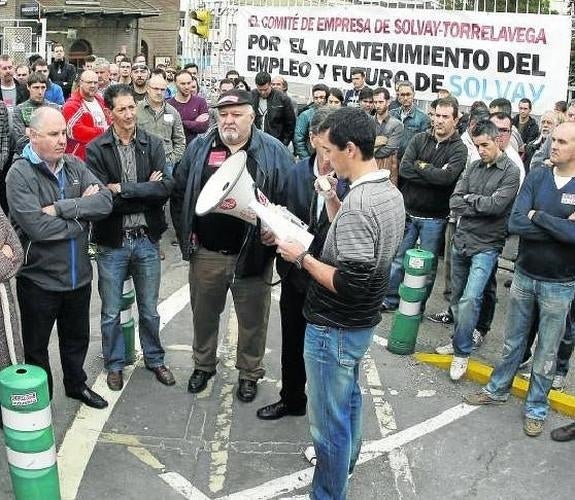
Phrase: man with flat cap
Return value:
(225, 252)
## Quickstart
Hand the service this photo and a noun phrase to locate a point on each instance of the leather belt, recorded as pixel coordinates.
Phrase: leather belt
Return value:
(135, 232)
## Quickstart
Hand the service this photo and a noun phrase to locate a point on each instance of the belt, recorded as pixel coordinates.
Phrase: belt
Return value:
(135, 232)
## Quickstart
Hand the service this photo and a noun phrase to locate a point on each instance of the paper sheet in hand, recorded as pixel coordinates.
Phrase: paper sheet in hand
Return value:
(281, 227)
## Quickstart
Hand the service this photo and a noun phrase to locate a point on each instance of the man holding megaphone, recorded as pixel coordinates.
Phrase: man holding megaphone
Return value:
(226, 252)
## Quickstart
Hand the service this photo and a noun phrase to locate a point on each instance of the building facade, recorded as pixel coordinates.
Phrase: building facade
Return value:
(95, 27)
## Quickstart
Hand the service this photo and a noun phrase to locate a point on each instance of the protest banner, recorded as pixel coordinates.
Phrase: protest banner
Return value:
(475, 55)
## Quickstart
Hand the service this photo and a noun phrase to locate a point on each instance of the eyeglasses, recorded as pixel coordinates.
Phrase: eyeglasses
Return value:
(90, 82)
(158, 89)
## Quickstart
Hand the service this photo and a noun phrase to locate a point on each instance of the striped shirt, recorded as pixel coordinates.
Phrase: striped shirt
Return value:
(360, 244)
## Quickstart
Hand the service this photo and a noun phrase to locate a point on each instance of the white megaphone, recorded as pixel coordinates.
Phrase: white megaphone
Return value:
(232, 191)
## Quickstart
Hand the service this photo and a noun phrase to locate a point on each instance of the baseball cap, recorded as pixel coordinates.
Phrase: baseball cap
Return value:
(234, 97)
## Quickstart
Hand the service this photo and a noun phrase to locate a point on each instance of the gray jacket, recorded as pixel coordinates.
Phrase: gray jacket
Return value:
(55, 248)
(167, 125)
(542, 154)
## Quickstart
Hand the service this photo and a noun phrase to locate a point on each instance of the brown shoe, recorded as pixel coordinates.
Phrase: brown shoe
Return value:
(163, 374)
(115, 380)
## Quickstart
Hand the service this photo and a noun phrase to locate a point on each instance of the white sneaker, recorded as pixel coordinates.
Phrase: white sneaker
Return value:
(558, 382)
(445, 349)
(309, 454)
(477, 339)
(458, 367)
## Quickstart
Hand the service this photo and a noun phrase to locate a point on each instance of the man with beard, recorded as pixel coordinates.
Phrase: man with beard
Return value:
(140, 75)
(193, 108)
(225, 252)
(85, 116)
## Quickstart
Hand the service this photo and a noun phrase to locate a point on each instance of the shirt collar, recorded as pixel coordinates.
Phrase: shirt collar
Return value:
(370, 177)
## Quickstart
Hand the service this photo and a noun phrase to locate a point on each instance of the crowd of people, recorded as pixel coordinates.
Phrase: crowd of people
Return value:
(92, 157)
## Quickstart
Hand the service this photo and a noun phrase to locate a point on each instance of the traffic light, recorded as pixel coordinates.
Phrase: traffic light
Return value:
(204, 18)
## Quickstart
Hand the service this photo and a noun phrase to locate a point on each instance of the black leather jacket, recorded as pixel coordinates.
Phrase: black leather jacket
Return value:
(279, 118)
(143, 196)
(273, 162)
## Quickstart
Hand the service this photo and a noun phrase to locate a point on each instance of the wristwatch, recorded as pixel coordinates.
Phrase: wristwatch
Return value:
(299, 259)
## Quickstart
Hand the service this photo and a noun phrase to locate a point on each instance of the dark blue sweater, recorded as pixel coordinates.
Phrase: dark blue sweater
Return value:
(547, 241)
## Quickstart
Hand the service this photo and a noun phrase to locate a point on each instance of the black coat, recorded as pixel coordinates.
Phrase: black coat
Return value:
(143, 196)
(64, 74)
(279, 119)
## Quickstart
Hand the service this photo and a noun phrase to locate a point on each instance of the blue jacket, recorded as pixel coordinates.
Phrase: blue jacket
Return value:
(273, 162)
(415, 122)
(302, 202)
(301, 145)
(54, 94)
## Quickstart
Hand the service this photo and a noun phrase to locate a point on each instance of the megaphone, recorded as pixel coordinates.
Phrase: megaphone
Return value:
(232, 191)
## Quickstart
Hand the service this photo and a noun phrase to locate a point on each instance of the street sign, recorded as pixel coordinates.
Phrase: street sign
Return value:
(227, 45)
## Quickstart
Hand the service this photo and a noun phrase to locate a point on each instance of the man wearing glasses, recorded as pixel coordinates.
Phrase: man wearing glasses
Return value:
(414, 120)
(158, 117)
(84, 114)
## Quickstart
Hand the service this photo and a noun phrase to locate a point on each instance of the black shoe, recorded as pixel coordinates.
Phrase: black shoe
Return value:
(114, 380)
(247, 390)
(279, 410)
(163, 374)
(443, 318)
(199, 380)
(565, 433)
(89, 398)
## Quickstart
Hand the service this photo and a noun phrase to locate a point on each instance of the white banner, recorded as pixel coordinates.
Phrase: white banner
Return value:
(475, 55)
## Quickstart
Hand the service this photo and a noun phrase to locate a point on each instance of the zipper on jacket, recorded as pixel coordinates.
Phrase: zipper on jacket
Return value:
(72, 246)
(27, 252)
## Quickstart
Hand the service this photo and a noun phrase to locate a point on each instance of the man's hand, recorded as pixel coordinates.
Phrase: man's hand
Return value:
(289, 250)
(325, 186)
(267, 236)
(7, 251)
(90, 190)
(204, 117)
(115, 188)
(380, 140)
(50, 210)
(156, 176)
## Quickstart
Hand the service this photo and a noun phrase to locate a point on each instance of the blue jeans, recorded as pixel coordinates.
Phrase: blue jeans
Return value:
(553, 301)
(332, 357)
(469, 276)
(430, 234)
(139, 258)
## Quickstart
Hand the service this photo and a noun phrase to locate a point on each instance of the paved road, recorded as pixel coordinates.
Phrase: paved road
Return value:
(157, 442)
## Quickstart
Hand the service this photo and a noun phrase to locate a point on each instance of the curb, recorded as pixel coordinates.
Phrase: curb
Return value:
(478, 372)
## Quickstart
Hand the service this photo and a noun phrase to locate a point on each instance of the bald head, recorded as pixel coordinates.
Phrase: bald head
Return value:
(563, 147)
(156, 90)
(88, 84)
(48, 135)
(44, 115)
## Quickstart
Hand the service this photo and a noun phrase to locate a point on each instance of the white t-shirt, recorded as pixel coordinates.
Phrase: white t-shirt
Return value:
(97, 113)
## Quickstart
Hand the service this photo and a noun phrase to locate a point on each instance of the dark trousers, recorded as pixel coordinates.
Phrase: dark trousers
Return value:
(488, 305)
(293, 326)
(70, 310)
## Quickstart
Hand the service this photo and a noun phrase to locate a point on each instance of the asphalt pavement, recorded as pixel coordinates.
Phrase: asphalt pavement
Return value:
(420, 441)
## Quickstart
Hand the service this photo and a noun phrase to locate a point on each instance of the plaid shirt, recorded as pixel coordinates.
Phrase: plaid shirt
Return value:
(4, 135)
